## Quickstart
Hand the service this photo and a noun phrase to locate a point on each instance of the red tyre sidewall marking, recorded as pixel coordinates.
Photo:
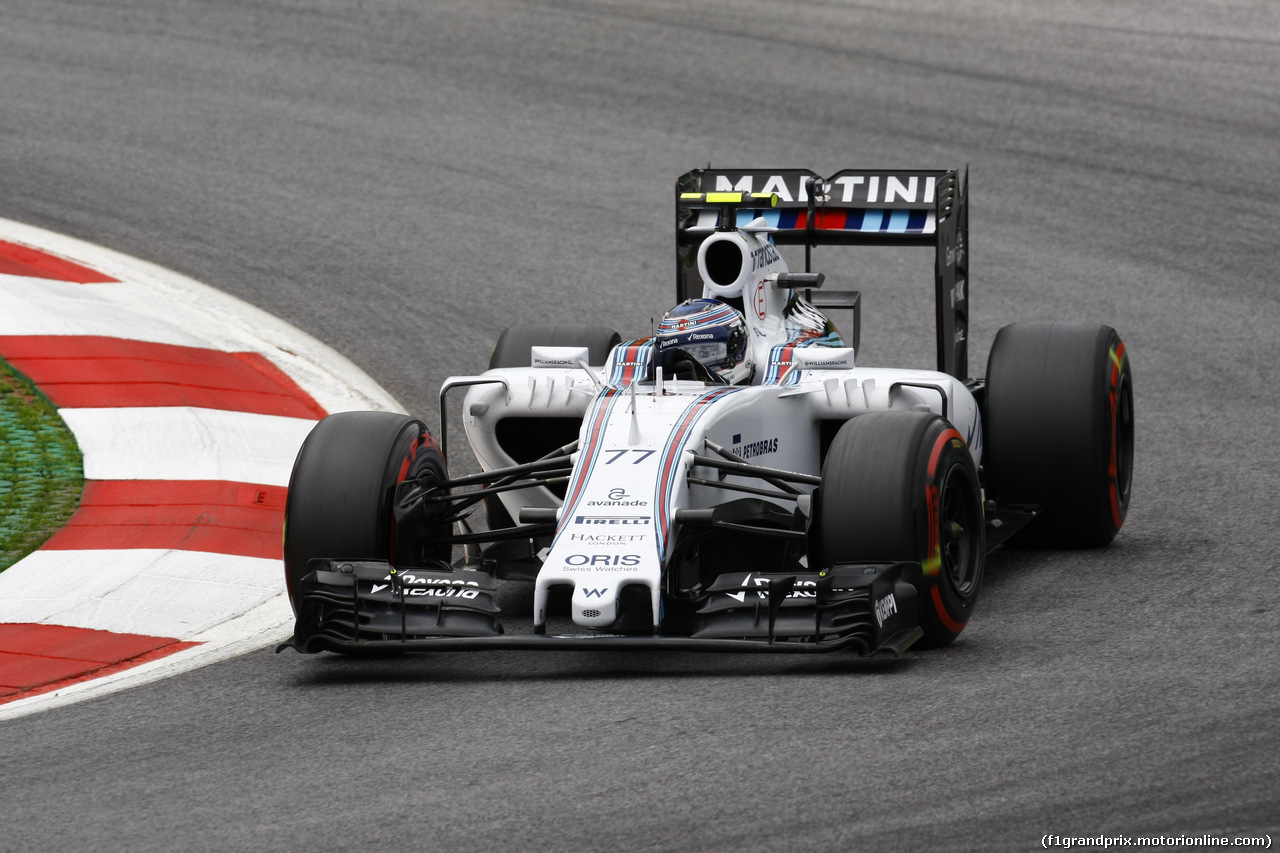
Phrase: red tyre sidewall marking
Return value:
(933, 546)
(945, 618)
(401, 475)
(1117, 357)
(933, 560)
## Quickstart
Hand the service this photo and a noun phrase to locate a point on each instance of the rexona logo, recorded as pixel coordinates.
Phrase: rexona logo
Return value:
(611, 519)
(885, 607)
(415, 586)
(752, 449)
(802, 589)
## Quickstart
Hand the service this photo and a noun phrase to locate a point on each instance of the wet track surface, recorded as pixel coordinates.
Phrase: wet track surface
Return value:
(404, 179)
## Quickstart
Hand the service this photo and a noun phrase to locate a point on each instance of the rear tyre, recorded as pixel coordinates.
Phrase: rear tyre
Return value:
(902, 486)
(342, 489)
(1060, 430)
(513, 350)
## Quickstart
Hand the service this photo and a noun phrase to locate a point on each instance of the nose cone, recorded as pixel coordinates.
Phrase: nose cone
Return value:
(595, 603)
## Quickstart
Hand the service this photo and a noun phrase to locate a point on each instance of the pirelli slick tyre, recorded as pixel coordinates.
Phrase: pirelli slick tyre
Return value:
(902, 486)
(1060, 430)
(342, 489)
(513, 350)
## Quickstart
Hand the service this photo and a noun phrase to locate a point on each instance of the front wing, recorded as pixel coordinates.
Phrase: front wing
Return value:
(370, 606)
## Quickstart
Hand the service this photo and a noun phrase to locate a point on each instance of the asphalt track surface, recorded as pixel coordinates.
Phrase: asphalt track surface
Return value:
(404, 179)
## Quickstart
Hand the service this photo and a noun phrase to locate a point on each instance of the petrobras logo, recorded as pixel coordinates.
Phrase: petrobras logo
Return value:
(752, 449)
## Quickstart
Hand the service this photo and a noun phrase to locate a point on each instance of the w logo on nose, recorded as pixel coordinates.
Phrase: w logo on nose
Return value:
(595, 593)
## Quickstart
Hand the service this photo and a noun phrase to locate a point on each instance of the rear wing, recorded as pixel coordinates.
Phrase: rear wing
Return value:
(855, 207)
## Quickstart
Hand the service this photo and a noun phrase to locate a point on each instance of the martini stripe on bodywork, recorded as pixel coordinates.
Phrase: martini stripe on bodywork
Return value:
(669, 467)
(597, 419)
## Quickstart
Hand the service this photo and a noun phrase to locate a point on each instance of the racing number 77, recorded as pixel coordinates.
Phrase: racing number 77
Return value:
(618, 454)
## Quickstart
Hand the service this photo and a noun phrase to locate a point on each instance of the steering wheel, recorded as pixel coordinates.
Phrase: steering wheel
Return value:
(678, 364)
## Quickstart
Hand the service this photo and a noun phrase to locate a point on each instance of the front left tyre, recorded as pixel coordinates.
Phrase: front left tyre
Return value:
(342, 492)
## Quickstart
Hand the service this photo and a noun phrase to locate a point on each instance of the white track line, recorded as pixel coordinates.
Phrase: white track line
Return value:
(184, 443)
(156, 592)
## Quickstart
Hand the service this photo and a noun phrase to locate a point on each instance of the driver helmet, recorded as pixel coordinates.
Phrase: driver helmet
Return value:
(712, 333)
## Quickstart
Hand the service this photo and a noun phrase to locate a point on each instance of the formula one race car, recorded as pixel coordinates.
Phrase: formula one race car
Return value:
(734, 482)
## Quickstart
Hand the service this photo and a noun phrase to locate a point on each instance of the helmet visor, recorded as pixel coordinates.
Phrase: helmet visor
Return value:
(707, 346)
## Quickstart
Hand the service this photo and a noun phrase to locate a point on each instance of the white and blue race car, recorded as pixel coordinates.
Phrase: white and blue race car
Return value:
(735, 481)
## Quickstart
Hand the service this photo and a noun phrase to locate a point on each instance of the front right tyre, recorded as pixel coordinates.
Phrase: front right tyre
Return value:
(902, 486)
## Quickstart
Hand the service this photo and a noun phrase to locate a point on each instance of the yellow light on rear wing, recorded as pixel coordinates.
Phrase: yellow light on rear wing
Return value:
(734, 198)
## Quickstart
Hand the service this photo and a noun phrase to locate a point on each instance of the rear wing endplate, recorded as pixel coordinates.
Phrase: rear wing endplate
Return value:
(854, 207)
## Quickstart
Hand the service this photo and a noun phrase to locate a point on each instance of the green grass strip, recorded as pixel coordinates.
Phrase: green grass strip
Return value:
(41, 471)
